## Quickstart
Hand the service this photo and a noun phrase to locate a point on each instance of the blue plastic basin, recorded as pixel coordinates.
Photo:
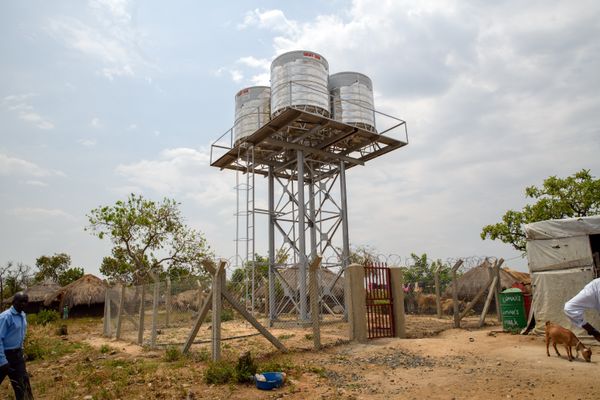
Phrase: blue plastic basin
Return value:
(273, 380)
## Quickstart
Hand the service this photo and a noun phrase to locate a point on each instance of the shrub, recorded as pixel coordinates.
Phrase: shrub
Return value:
(104, 349)
(245, 368)
(219, 373)
(226, 315)
(172, 353)
(44, 317)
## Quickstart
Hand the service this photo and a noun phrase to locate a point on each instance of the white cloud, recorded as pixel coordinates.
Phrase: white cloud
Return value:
(36, 183)
(269, 19)
(255, 62)
(111, 39)
(182, 172)
(495, 101)
(87, 142)
(32, 214)
(19, 104)
(95, 122)
(10, 166)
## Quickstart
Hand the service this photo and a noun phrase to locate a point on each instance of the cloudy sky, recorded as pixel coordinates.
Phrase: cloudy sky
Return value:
(102, 98)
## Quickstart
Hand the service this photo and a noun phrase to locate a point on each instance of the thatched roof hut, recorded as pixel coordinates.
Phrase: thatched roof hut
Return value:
(473, 280)
(87, 292)
(37, 295)
(329, 282)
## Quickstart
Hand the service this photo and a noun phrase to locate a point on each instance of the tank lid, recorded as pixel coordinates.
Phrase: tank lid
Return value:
(251, 89)
(348, 78)
(299, 54)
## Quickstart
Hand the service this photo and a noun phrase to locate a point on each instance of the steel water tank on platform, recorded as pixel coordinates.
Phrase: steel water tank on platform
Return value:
(299, 79)
(252, 110)
(352, 99)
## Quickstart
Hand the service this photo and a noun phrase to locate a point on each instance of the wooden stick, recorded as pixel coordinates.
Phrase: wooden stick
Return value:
(488, 301)
(455, 292)
(438, 303)
(199, 321)
(497, 289)
(234, 303)
(476, 298)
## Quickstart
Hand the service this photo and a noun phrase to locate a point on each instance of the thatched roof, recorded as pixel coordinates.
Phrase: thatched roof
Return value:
(473, 280)
(522, 277)
(87, 290)
(37, 293)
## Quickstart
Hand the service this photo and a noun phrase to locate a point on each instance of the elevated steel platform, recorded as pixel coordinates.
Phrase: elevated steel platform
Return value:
(325, 143)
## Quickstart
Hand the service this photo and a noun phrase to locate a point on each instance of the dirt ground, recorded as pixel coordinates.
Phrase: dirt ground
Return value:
(435, 362)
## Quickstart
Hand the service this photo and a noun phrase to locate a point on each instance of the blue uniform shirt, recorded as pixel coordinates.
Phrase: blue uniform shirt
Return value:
(13, 326)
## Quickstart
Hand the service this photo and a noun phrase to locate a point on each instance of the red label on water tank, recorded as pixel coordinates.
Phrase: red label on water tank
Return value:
(312, 55)
(243, 91)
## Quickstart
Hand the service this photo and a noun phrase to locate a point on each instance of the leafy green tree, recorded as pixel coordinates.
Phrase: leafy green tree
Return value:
(423, 272)
(51, 267)
(577, 195)
(149, 239)
(14, 277)
(70, 275)
(261, 269)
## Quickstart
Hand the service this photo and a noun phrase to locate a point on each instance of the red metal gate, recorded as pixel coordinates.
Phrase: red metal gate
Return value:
(380, 315)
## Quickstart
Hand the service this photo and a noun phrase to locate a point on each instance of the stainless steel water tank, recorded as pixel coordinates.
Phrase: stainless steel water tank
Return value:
(299, 79)
(352, 99)
(252, 110)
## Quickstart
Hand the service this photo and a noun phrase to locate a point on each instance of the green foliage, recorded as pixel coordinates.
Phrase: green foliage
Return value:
(44, 317)
(104, 349)
(245, 368)
(70, 275)
(14, 277)
(261, 268)
(362, 254)
(575, 196)
(51, 267)
(423, 272)
(57, 269)
(48, 347)
(227, 315)
(219, 373)
(172, 353)
(149, 239)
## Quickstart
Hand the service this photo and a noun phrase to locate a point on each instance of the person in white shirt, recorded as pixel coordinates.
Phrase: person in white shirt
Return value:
(587, 299)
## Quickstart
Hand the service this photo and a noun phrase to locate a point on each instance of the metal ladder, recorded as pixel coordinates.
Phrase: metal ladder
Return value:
(245, 224)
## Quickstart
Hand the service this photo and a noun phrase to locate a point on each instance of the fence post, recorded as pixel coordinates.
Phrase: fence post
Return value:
(436, 278)
(107, 327)
(357, 307)
(217, 306)
(120, 311)
(155, 312)
(314, 300)
(398, 299)
(455, 293)
(498, 287)
(142, 313)
(168, 302)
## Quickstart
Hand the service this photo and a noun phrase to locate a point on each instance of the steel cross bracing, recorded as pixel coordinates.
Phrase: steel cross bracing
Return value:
(304, 156)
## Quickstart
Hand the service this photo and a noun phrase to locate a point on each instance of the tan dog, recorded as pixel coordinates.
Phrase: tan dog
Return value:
(559, 335)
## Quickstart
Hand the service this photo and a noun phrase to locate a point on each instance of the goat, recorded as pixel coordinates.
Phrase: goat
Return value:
(426, 303)
(563, 336)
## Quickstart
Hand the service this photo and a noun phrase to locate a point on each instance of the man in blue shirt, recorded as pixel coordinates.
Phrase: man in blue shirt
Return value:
(13, 325)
